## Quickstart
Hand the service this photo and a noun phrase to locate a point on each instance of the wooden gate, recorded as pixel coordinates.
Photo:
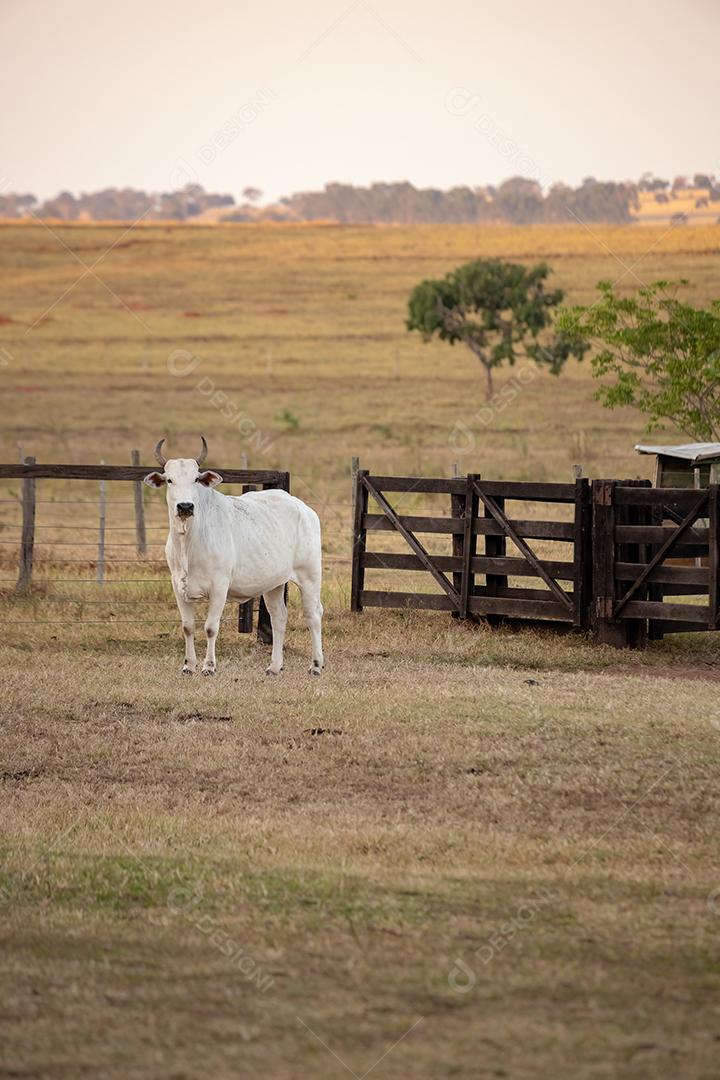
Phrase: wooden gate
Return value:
(477, 511)
(643, 540)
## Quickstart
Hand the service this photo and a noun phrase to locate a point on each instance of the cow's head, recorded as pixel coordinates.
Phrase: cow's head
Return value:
(181, 477)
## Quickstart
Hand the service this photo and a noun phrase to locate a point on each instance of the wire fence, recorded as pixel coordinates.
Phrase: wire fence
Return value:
(105, 536)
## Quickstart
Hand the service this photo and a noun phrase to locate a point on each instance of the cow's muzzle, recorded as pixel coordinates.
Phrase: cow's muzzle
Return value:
(185, 509)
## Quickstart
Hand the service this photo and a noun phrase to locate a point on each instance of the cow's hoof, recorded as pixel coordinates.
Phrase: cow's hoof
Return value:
(315, 668)
(208, 671)
(271, 671)
(188, 671)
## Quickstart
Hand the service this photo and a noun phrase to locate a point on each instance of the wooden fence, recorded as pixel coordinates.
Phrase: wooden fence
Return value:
(621, 540)
(30, 472)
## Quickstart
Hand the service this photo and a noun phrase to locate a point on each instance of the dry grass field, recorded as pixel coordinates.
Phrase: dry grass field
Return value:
(462, 852)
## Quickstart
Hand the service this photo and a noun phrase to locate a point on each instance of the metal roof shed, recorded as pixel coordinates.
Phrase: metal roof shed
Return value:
(686, 465)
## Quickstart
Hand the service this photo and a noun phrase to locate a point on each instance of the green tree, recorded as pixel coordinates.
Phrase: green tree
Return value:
(662, 356)
(500, 310)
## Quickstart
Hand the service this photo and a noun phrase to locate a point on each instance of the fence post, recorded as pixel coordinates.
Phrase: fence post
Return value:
(495, 547)
(245, 611)
(469, 545)
(458, 509)
(354, 469)
(359, 541)
(714, 557)
(27, 538)
(636, 632)
(582, 570)
(264, 622)
(102, 513)
(609, 632)
(140, 534)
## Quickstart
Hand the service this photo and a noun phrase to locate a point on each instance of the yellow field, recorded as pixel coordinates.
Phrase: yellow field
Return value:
(462, 852)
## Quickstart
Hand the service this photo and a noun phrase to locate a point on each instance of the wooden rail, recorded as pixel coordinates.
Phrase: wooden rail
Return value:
(40, 471)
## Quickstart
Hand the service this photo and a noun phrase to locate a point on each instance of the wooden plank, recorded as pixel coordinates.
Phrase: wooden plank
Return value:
(683, 590)
(714, 557)
(657, 534)
(676, 627)
(529, 530)
(499, 516)
(510, 565)
(527, 609)
(481, 564)
(479, 605)
(379, 523)
(390, 560)
(663, 550)
(408, 536)
(525, 490)
(529, 491)
(27, 536)
(432, 601)
(357, 580)
(132, 472)
(678, 499)
(697, 614)
(519, 592)
(421, 484)
(681, 575)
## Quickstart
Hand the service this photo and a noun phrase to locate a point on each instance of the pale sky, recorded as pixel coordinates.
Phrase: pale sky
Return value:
(138, 93)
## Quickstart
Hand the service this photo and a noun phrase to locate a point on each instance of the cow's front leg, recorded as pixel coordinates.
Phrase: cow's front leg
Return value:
(212, 625)
(187, 614)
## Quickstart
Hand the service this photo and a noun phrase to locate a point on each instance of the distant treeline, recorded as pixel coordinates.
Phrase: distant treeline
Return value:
(519, 201)
(116, 204)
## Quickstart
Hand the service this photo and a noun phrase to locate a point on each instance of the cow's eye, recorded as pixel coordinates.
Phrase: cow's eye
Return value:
(169, 481)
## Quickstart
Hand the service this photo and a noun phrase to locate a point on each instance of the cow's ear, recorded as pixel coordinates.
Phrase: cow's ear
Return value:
(209, 478)
(154, 479)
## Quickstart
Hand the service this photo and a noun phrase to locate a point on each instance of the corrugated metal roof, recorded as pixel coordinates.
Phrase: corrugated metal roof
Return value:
(694, 452)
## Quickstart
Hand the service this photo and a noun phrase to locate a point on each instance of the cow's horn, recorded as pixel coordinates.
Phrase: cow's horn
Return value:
(158, 453)
(203, 455)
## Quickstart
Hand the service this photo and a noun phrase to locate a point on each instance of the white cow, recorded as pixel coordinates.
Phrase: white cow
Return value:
(238, 547)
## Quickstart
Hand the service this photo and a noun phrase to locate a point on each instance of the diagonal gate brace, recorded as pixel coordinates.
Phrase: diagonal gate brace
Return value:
(527, 552)
(412, 541)
(662, 552)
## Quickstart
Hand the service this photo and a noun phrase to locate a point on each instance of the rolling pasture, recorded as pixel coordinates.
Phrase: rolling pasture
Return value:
(463, 852)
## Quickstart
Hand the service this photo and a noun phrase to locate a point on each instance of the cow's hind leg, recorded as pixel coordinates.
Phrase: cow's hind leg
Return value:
(275, 603)
(187, 614)
(309, 585)
(216, 603)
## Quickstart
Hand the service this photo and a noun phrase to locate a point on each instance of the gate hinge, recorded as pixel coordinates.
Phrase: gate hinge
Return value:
(604, 607)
